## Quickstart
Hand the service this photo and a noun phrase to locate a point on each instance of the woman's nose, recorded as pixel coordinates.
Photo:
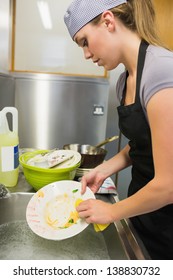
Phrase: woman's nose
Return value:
(87, 54)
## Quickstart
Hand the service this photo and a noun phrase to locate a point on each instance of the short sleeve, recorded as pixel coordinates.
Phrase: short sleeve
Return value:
(157, 74)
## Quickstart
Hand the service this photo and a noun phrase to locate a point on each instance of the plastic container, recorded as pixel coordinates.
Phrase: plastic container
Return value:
(9, 148)
(39, 177)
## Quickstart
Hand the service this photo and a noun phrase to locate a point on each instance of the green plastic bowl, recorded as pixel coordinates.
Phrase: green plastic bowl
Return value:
(38, 177)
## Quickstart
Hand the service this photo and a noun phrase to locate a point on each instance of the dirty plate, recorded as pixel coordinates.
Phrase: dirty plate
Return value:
(51, 212)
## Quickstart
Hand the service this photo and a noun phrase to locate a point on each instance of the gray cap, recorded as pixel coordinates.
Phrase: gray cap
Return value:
(80, 12)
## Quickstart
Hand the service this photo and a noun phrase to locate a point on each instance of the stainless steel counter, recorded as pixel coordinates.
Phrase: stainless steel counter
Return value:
(118, 241)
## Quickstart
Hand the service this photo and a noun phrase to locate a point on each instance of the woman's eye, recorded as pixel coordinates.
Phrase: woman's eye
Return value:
(85, 43)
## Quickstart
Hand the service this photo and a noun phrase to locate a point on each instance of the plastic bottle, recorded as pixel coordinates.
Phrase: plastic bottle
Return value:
(9, 148)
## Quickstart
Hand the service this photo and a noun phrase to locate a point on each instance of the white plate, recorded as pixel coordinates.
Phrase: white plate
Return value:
(41, 160)
(71, 162)
(50, 209)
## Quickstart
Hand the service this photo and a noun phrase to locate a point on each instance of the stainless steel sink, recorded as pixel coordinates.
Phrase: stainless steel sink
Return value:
(17, 241)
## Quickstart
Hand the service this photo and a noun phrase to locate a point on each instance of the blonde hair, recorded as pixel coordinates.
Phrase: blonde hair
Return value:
(138, 16)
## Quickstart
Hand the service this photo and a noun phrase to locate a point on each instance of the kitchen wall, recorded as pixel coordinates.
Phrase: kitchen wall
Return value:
(5, 26)
(7, 88)
(50, 46)
(6, 79)
(164, 12)
(57, 110)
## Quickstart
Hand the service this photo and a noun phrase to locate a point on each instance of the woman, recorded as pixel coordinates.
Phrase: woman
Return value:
(113, 32)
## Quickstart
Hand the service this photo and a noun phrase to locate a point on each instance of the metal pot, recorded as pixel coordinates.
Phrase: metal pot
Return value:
(91, 155)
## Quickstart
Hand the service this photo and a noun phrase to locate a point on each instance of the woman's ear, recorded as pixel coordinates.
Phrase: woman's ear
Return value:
(109, 20)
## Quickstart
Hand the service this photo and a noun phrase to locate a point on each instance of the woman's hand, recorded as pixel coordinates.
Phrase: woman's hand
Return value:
(94, 179)
(95, 211)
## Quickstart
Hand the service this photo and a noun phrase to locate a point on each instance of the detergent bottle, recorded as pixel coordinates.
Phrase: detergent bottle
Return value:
(9, 148)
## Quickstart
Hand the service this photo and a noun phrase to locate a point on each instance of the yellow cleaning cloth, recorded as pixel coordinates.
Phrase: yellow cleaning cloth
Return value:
(78, 201)
(97, 227)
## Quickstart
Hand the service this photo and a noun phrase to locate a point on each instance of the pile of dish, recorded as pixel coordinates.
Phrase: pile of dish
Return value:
(43, 167)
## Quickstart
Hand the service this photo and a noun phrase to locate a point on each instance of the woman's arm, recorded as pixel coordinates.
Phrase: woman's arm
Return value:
(159, 191)
(116, 163)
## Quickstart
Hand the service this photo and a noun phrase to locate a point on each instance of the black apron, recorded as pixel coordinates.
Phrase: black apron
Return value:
(156, 228)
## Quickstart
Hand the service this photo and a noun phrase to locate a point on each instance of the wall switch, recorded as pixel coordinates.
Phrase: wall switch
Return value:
(98, 110)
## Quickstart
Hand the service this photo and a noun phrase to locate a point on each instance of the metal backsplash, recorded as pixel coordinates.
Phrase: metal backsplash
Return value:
(55, 110)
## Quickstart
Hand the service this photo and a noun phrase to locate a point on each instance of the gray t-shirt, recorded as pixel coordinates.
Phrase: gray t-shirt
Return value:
(157, 74)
